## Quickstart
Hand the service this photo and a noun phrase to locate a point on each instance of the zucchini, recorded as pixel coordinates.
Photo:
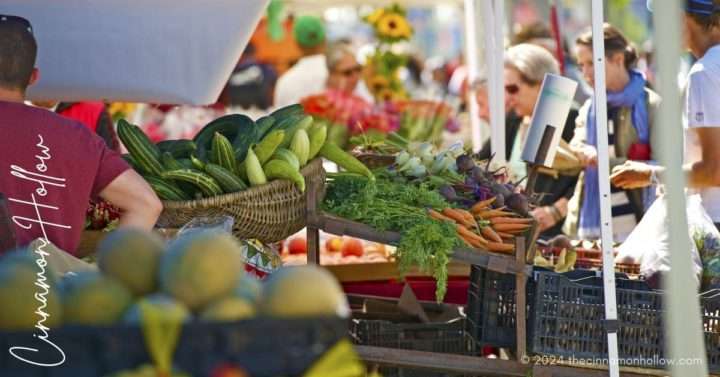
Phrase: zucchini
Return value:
(197, 163)
(264, 125)
(300, 145)
(169, 163)
(318, 136)
(287, 111)
(228, 181)
(254, 170)
(128, 158)
(345, 160)
(207, 185)
(282, 170)
(287, 156)
(166, 190)
(178, 148)
(143, 152)
(267, 147)
(229, 125)
(186, 163)
(222, 153)
(290, 125)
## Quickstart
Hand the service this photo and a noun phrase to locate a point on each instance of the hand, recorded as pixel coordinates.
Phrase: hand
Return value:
(544, 218)
(632, 175)
(587, 155)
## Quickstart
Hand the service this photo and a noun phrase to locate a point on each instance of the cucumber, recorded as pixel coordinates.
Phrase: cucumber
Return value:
(282, 170)
(264, 124)
(207, 185)
(186, 163)
(128, 158)
(300, 145)
(254, 170)
(290, 126)
(345, 160)
(267, 147)
(229, 125)
(228, 181)
(169, 163)
(197, 163)
(142, 150)
(166, 190)
(287, 156)
(178, 148)
(318, 136)
(222, 153)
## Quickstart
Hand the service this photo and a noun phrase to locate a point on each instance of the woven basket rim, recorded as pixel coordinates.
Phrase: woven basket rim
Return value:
(313, 168)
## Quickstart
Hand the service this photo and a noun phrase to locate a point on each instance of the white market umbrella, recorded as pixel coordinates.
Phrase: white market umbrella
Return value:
(157, 51)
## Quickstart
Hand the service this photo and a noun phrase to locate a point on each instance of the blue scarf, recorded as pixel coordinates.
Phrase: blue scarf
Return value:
(633, 96)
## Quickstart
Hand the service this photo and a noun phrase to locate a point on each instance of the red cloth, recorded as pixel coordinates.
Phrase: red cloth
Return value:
(639, 152)
(87, 113)
(424, 289)
(56, 162)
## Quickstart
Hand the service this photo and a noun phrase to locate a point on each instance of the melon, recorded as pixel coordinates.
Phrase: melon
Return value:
(131, 256)
(19, 272)
(228, 309)
(91, 298)
(303, 291)
(170, 307)
(201, 267)
(248, 288)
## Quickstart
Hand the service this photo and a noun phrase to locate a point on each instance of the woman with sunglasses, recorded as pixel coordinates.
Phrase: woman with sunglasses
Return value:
(525, 68)
(344, 71)
(630, 108)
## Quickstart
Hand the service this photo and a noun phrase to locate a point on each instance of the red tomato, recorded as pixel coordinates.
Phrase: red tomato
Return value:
(352, 246)
(228, 370)
(297, 245)
(334, 244)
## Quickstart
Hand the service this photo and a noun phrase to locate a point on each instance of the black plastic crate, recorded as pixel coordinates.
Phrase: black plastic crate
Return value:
(568, 321)
(448, 337)
(263, 347)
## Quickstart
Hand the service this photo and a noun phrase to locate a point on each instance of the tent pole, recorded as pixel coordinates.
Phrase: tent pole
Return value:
(683, 329)
(603, 172)
(471, 53)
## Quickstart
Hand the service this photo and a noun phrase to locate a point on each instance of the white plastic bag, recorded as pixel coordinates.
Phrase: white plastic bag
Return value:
(648, 244)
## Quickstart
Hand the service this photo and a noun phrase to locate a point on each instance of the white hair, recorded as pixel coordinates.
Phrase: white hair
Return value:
(532, 61)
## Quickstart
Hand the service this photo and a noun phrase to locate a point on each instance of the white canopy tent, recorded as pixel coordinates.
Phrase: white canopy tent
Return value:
(157, 51)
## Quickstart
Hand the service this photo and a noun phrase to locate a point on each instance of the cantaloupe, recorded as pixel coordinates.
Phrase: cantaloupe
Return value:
(131, 256)
(303, 291)
(170, 307)
(91, 298)
(228, 309)
(19, 273)
(201, 267)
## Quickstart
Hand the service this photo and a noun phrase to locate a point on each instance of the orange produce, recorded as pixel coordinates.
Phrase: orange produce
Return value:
(334, 245)
(297, 245)
(352, 246)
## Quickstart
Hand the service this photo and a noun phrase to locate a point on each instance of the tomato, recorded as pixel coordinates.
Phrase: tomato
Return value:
(352, 246)
(228, 370)
(297, 245)
(334, 245)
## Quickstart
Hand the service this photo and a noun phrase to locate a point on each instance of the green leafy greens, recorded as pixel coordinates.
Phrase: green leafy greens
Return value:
(391, 206)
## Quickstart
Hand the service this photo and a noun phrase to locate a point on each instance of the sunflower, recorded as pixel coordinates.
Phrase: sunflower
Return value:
(375, 16)
(393, 25)
(386, 94)
(378, 83)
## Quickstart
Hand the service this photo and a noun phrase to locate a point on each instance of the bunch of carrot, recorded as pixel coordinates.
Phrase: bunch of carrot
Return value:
(485, 228)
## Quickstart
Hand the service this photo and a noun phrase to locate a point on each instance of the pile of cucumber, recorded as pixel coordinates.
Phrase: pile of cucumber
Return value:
(232, 153)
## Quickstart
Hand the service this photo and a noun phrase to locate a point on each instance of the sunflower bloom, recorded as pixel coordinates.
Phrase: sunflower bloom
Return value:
(375, 16)
(386, 94)
(378, 83)
(393, 25)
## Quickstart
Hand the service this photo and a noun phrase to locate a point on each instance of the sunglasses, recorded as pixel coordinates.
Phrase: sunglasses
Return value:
(18, 20)
(350, 71)
(512, 89)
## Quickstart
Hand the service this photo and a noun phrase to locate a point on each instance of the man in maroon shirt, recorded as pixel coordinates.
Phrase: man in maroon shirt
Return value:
(50, 166)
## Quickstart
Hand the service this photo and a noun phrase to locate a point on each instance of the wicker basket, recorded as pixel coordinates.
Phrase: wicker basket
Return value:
(374, 160)
(269, 213)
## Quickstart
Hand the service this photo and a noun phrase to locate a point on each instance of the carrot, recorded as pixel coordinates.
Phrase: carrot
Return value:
(481, 205)
(500, 247)
(463, 231)
(510, 227)
(510, 220)
(467, 215)
(504, 235)
(490, 234)
(456, 216)
(439, 216)
(468, 242)
(489, 214)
